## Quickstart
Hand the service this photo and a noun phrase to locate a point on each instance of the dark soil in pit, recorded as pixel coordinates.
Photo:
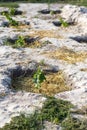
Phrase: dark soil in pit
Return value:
(16, 12)
(54, 83)
(21, 41)
(48, 11)
(27, 41)
(57, 23)
(44, 11)
(80, 39)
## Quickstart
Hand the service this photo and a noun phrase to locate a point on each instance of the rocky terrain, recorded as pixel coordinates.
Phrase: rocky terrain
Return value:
(65, 49)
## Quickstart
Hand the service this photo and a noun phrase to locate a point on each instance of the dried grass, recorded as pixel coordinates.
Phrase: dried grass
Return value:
(67, 55)
(55, 83)
(45, 33)
(22, 27)
(35, 44)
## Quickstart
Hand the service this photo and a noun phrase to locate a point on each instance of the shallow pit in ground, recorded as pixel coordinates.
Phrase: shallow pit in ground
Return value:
(68, 55)
(80, 39)
(12, 11)
(55, 81)
(25, 41)
(49, 11)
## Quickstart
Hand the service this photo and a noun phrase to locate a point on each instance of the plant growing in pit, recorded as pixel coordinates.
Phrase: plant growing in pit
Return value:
(20, 42)
(63, 23)
(52, 12)
(12, 11)
(38, 78)
(12, 22)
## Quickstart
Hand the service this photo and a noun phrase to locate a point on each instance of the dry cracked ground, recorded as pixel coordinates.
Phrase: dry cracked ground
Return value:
(55, 47)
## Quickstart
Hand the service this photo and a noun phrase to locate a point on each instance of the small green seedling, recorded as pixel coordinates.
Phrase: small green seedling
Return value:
(20, 42)
(38, 78)
(64, 23)
(12, 11)
(52, 12)
(12, 22)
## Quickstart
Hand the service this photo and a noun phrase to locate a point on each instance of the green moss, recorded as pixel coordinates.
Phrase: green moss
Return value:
(72, 123)
(22, 122)
(54, 110)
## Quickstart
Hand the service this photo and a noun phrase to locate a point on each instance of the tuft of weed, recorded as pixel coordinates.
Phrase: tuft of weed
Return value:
(64, 23)
(20, 42)
(23, 122)
(12, 22)
(72, 123)
(55, 110)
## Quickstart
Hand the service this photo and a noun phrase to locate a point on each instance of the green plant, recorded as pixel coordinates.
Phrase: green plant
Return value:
(12, 22)
(22, 122)
(63, 23)
(12, 11)
(52, 12)
(72, 123)
(20, 42)
(54, 110)
(38, 77)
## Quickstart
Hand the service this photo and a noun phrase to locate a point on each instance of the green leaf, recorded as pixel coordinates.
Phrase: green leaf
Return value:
(38, 78)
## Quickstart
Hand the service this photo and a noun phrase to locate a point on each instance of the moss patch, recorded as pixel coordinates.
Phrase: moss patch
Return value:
(68, 55)
(22, 122)
(54, 83)
(72, 123)
(53, 110)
